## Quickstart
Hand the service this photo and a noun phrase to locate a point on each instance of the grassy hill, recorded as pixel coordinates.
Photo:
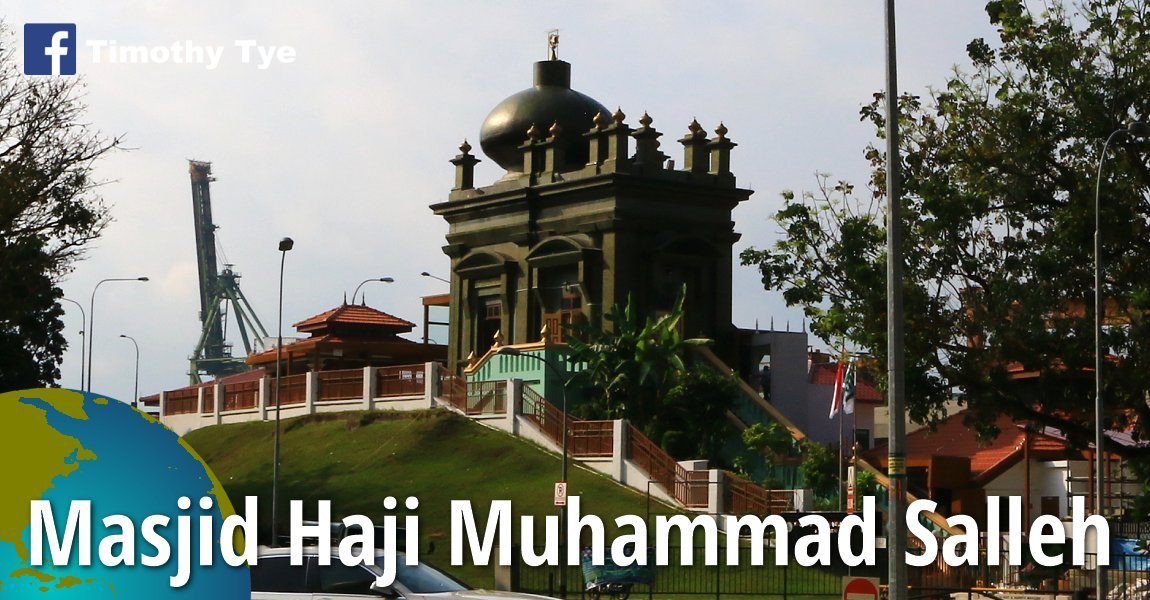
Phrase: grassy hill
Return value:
(356, 459)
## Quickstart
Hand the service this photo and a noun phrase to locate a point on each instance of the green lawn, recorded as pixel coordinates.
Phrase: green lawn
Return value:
(357, 459)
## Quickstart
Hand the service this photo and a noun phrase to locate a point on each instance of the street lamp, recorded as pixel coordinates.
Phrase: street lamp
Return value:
(286, 244)
(509, 351)
(136, 385)
(382, 279)
(83, 343)
(92, 323)
(426, 274)
(1136, 129)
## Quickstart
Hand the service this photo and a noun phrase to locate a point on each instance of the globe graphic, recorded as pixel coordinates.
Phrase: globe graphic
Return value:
(62, 445)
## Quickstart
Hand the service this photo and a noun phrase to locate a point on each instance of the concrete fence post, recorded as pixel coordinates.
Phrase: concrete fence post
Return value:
(199, 405)
(369, 388)
(716, 481)
(217, 402)
(264, 398)
(311, 391)
(619, 450)
(163, 405)
(430, 383)
(514, 404)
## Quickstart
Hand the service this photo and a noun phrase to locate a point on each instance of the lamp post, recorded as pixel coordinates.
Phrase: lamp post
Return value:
(285, 245)
(381, 279)
(1137, 129)
(426, 274)
(136, 385)
(92, 323)
(83, 342)
(509, 351)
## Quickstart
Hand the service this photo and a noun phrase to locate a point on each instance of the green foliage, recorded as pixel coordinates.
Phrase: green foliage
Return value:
(693, 420)
(774, 440)
(866, 484)
(998, 172)
(820, 469)
(48, 212)
(637, 370)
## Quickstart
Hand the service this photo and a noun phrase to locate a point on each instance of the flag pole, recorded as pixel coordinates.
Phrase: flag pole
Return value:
(840, 398)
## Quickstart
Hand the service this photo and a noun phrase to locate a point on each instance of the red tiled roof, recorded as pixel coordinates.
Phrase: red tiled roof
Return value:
(824, 374)
(987, 460)
(353, 314)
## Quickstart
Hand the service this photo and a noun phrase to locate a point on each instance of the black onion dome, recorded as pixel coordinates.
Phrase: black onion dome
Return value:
(551, 100)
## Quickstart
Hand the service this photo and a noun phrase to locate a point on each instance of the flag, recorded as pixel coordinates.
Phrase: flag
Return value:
(837, 397)
(848, 393)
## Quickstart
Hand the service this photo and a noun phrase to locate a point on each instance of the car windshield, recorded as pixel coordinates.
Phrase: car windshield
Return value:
(424, 579)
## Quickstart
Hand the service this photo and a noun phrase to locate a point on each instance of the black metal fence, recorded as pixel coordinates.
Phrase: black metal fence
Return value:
(1128, 579)
(698, 579)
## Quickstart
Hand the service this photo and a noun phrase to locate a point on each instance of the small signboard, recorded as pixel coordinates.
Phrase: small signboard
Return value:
(560, 493)
(860, 588)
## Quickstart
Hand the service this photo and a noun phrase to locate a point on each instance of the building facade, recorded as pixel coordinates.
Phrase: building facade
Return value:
(590, 213)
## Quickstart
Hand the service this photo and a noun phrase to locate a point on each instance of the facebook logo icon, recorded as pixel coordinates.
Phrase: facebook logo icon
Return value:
(49, 48)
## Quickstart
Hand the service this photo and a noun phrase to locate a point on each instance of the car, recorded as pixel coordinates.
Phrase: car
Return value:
(275, 578)
(339, 531)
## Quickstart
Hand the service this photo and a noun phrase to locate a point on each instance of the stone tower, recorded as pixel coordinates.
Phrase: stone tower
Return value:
(590, 210)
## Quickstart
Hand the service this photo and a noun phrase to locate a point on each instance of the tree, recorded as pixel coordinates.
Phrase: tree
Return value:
(638, 370)
(998, 172)
(49, 211)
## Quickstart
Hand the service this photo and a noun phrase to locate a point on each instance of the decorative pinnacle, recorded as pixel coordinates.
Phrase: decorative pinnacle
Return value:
(598, 121)
(555, 129)
(464, 148)
(694, 127)
(618, 116)
(721, 130)
(646, 119)
(534, 133)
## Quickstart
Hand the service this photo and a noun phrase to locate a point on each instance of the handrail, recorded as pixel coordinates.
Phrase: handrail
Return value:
(241, 396)
(344, 384)
(796, 433)
(399, 380)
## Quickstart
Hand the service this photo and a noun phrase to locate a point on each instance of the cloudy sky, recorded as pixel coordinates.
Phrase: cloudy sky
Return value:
(344, 148)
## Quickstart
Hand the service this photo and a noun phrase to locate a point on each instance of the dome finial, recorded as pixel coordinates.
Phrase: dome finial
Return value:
(646, 119)
(618, 116)
(553, 44)
(721, 130)
(694, 127)
(464, 148)
(555, 129)
(534, 133)
(598, 121)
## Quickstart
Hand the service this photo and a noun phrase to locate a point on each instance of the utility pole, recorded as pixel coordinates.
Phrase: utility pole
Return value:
(896, 459)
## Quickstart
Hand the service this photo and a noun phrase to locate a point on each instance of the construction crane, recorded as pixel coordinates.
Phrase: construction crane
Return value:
(219, 292)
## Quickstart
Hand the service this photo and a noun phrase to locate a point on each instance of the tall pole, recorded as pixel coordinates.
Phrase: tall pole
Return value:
(285, 245)
(357, 288)
(92, 323)
(136, 384)
(83, 340)
(896, 459)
